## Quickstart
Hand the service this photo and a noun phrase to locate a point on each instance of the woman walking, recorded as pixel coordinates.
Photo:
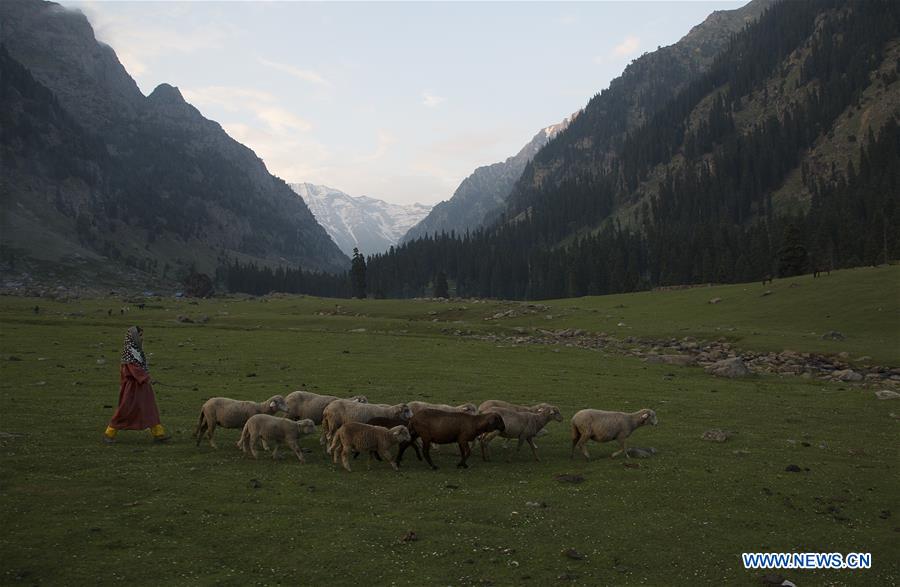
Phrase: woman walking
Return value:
(137, 404)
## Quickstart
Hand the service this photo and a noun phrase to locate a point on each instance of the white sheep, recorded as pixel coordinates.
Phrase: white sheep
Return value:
(342, 411)
(466, 408)
(232, 413)
(363, 438)
(306, 404)
(523, 425)
(274, 431)
(605, 426)
(499, 403)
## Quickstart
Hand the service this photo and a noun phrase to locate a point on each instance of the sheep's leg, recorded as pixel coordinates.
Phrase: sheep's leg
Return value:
(464, 453)
(581, 443)
(624, 449)
(253, 439)
(198, 431)
(484, 439)
(297, 451)
(210, 429)
(533, 449)
(335, 449)
(275, 450)
(345, 459)
(426, 449)
(386, 456)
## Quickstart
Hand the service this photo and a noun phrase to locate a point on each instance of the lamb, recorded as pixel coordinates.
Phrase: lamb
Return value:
(232, 413)
(359, 437)
(466, 408)
(605, 426)
(390, 423)
(274, 430)
(524, 425)
(341, 411)
(440, 427)
(306, 404)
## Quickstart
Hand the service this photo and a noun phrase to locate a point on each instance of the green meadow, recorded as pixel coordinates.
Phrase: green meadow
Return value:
(75, 511)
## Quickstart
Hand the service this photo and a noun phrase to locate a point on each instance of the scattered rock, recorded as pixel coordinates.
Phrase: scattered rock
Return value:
(741, 453)
(885, 514)
(101, 361)
(14, 358)
(536, 504)
(847, 375)
(768, 292)
(573, 554)
(358, 330)
(793, 469)
(251, 375)
(255, 484)
(715, 300)
(887, 394)
(716, 435)
(410, 536)
(203, 319)
(451, 486)
(682, 360)
(568, 478)
(184, 319)
(637, 452)
(733, 367)
(833, 335)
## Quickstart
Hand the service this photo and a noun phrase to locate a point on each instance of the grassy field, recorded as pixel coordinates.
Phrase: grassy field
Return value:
(75, 511)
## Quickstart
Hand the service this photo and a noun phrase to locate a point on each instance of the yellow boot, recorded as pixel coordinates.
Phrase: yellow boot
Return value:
(159, 433)
(109, 435)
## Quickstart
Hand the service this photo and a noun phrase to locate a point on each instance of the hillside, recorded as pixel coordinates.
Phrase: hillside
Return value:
(101, 176)
(481, 197)
(368, 224)
(708, 187)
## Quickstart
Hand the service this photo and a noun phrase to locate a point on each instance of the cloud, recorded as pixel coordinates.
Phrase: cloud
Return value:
(567, 19)
(229, 98)
(431, 100)
(384, 140)
(627, 47)
(306, 75)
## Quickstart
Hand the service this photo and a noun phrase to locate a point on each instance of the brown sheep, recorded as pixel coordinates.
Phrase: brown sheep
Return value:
(439, 427)
(359, 437)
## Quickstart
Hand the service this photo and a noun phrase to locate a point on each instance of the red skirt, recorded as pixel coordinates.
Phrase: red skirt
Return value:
(137, 403)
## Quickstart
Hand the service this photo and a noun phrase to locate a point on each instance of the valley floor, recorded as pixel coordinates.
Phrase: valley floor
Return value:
(76, 511)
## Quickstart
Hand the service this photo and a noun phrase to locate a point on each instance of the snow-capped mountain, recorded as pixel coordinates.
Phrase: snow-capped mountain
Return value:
(371, 225)
(480, 198)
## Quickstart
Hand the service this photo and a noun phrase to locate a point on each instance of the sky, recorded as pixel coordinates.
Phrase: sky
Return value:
(394, 100)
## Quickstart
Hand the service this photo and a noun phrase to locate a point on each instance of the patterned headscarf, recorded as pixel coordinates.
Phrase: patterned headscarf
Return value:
(133, 351)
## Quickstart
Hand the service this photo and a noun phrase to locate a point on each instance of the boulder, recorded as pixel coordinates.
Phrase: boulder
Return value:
(833, 335)
(733, 367)
(847, 375)
(716, 435)
(887, 394)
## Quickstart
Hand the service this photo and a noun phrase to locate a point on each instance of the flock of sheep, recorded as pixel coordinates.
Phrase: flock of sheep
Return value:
(353, 426)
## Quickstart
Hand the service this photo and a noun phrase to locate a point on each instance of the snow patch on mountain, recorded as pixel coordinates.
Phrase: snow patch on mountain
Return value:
(369, 224)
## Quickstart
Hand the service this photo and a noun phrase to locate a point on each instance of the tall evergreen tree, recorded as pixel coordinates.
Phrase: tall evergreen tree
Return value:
(358, 274)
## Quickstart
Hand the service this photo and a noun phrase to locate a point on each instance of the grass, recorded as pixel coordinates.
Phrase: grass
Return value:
(75, 511)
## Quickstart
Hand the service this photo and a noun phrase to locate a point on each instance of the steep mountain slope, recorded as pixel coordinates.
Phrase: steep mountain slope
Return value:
(590, 144)
(783, 157)
(369, 224)
(154, 185)
(481, 196)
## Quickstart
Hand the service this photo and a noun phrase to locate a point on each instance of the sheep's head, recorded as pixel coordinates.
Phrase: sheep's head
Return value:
(275, 404)
(495, 422)
(306, 426)
(400, 433)
(551, 412)
(404, 413)
(360, 399)
(468, 408)
(649, 417)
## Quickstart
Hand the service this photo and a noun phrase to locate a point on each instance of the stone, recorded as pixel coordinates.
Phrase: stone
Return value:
(733, 367)
(833, 335)
(716, 435)
(715, 300)
(793, 469)
(847, 375)
(887, 394)
(682, 360)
